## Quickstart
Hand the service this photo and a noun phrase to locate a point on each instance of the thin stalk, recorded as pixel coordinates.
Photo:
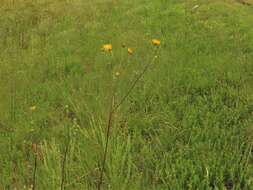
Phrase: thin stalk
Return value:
(34, 170)
(134, 84)
(63, 167)
(109, 125)
(110, 116)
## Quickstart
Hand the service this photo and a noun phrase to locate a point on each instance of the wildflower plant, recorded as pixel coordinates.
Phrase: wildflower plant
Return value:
(115, 105)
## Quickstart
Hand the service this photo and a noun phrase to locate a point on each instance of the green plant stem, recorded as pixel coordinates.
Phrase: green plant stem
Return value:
(110, 117)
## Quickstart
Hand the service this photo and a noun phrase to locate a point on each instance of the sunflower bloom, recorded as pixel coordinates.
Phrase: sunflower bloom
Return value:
(130, 50)
(107, 47)
(156, 42)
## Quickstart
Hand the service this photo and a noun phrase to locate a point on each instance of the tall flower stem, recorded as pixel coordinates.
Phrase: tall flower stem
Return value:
(113, 109)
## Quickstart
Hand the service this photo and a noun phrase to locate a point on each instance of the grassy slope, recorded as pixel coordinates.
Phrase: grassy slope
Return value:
(188, 123)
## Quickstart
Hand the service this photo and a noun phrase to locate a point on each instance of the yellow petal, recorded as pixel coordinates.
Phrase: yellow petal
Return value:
(107, 47)
(156, 42)
(117, 73)
(33, 108)
(130, 50)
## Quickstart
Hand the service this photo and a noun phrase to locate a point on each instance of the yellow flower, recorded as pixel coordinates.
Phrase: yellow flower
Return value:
(130, 50)
(33, 108)
(107, 47)
(117, 73)
(156, 42)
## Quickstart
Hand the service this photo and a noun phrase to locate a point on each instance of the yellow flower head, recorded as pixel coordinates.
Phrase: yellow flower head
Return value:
(33, 108)
(107, 47)
(117, 73)
(130, 50)
(156, 42)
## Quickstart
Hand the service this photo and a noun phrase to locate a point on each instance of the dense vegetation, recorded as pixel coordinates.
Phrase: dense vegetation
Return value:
(187, 124)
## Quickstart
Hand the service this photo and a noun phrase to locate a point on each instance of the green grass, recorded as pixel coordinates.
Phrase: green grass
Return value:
(186, 125)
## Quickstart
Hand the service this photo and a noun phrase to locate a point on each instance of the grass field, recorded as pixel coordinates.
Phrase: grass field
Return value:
(186, 125)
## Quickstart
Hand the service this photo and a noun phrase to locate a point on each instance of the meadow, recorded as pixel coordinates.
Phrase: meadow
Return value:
(182, 114)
